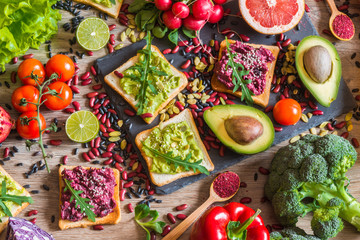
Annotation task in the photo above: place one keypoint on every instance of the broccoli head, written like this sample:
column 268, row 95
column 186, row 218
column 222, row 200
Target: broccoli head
column 292, row 233
column 309, row 175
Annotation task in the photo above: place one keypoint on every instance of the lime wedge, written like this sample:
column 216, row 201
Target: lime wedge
column 82, row 126
column 92, row 34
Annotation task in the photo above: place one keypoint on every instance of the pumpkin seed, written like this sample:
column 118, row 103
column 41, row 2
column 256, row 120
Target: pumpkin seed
column 196, row 61
column 133, row 39
column 135, row 166
column 120, row 123
column 132, row 26
column 294, row 139
column 130, row 16
column 323, row 132
column 119, row 46
column 309, row 115
column 114, row 139
column 123, row 144
column 123, row 36
column 350, row 128
column 291, row 78
column 191, row 101
column 128, row 31
column 313, row 131
column 175, row 109
column 335, row 132
column 115, row 134
column 322, row 125
column 142, row 35
column 348, row 116
column 304, row 118
column 162, row 117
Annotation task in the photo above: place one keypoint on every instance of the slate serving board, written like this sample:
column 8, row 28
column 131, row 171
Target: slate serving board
column 134, row 125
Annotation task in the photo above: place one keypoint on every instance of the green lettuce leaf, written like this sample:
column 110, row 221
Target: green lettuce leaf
column 25, row 24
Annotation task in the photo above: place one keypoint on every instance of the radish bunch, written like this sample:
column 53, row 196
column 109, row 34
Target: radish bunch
column 192, row 16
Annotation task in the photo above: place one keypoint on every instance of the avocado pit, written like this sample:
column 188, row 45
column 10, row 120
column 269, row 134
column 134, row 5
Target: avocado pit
column 243, row 129
column 317, row 62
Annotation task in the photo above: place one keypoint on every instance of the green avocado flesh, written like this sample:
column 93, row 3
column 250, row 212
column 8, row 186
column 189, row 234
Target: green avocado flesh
column 177, row 138
column 325, row 92
column 106, row 3
column 163, row 84
column 215, row 118
column 12, row 189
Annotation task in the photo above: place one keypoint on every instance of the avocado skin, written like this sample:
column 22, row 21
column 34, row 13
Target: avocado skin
column 216, row 116
column 325, row 93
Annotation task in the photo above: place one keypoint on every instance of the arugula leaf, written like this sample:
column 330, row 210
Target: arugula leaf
column 143, row 211
column 177, row 161
column 144, row 68
column 174, row 36
column 113, row 2
column 238, row 73
column 189, row 33
column 8, row 197
column 80, row 201
column 136, row 5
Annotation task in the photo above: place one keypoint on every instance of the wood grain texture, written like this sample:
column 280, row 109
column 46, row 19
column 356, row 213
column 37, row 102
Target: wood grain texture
column 194, row 195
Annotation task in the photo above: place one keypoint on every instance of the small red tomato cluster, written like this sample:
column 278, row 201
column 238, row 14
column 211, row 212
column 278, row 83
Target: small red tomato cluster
column 178, row 14
column 40, row 87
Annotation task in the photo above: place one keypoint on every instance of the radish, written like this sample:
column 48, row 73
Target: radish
column 171, row 21
column 163, row 5
column 180, row 10
column 193, row 24
column 201, row 9
column 220, row 2
column 216, row 14
column 6, row 123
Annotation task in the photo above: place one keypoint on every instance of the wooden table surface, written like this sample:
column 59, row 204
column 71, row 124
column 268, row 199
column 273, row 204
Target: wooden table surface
column 46, row 202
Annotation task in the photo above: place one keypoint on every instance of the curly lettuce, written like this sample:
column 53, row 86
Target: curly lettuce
column 25, row 24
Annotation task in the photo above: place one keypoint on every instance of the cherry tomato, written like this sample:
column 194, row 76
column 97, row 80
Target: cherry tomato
column 28, row 127
column 287, row 111
column 62, row 65
column 163, row 5
column 171, row 21
column 59, row 101
column 29, row 66
column 180, row 10
column 25, row 93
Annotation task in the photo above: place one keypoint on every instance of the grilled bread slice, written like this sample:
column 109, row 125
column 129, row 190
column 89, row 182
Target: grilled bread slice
column 262, row 99
column 112, row 11
column 161, row 179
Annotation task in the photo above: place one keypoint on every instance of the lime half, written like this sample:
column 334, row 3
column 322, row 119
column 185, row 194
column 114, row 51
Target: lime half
column 82, row 126
column 92, row 34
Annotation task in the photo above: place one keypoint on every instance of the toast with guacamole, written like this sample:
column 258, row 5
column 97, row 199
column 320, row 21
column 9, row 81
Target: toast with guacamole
column 20, row 198
column 163, row 81
column 259, row 64
column 110, row 7
column 174, row 149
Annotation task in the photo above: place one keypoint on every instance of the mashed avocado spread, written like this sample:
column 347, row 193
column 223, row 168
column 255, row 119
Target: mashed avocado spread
column 163, row 84
column 106, row 3
column 176, row 138
column 12, row 189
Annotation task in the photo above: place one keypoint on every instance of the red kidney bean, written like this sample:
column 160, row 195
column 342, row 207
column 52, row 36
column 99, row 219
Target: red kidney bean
column 69, row 110
column 281, row 37
column 181, row 216
column 243, row 184
column 207, row 145
column 55, row 142
column 226, row 31
column 277, row 88
column 151, row 192
column 340, row 125
column 124, row 175
column 123, row 17
column 106, row 155
column 118, row 167
column 132, row 174
column 139, row 168
column 268, row 109
column 278, row 129
column 186, row 64
column 197, row 49
column 90, row 53
column 32, row 212
column 92, row 94
column 355, row 142
column 118, row 74
column 110, row 48
column 6, row 152
column 93, row 71
column 230, row 34
column 278, row 44
column 330, row 127
column 166, row 230
column 189, row 48
column 128, row 184
column 296, row 84
column 222, row 151
column 103, row 119
column 286, row 92
column 183, row 43
column 85, row 76
column 33, row 220
column 245, row 200
column 286, row 42
column 13, row 77
column 65, row 159
column 264, row 171
column 97, row 142
column 95, row 151
column 181, row 207
column 108, row 162
column 244, row 38
column 166, row 51
column 229, row 102
column 171, row 218
column 122, row 194
column 307, row 9
column 28, row 56
column 77, row 70
column 76, row 105
column 112, row 27
column 123, row 22
column 86, row 157
column 130, row 207
column 216, row 45
column 134, row 156
column 15, row 60
column 357, row 97
column 312, row 105
column 195, row 41
column 110, row 147
column 118, row 158
column 317, row 112
column 146, row 115
column 86, row 82
column 91, row 154
column 75, row 89
column 179, row 106
column 282, row 97
column 345, row 135
column 129, row 112
column 75, row 80
column 98, row 227
column 283, row 79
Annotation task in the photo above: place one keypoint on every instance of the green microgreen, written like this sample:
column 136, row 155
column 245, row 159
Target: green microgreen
column 143, row 211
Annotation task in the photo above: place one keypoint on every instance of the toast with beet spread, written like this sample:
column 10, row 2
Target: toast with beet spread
column 111, row 11
column 111, row 218
column 261, row 99
column 161, row 179
column 16, row 209
column 113, row 81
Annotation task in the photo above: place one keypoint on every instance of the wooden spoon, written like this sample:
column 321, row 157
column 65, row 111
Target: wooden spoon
column 184, row 225
column 334, row 13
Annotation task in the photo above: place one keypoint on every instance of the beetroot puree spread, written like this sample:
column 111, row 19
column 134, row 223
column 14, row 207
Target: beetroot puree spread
column 96, row 184
column 253, row 59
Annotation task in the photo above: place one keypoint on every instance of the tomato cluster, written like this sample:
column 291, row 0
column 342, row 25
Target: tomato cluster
column 178, row 13
column 55, row 95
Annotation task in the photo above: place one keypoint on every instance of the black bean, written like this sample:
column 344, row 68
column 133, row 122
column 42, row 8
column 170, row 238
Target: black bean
column 27, row 186
column 158, row 201
column 6, row 159
column 353, row 55
column 46, row 187
column 19, row 164
column 76, row 150
column 255, row 177
column 355, row 90
column 147, row 203
column 2, row 162
column 8, row 106
column 85, row 145
column 52, row 219
column 36, row 153
column 34, row 191
column 357, row 63
column 95, row 162
column 15, row 149
column 128, row 195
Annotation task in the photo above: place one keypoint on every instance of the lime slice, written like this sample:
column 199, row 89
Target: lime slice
column 82, row 126
column 92, row 34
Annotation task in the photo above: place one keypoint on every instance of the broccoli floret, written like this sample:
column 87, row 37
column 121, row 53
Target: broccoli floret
column 309, row 175
column 292, row 233
column 326, row 223
column 313, row 169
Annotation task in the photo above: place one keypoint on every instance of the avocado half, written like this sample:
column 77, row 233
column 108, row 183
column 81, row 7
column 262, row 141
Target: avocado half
column 325, row 92
column 216, row 116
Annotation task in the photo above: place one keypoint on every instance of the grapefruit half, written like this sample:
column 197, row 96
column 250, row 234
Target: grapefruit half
column 272, row 16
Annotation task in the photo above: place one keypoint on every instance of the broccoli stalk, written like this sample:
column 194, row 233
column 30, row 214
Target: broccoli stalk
column 309, row 176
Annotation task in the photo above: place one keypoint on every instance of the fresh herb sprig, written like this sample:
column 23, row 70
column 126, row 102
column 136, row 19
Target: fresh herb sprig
column 238, row 73
column 177, row 161
column 8, row 197
column 80, row 201
column 143, row 211
column 113, row 2
column 144, row 68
